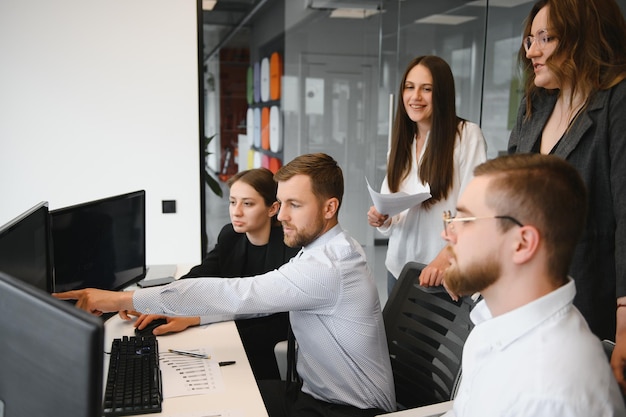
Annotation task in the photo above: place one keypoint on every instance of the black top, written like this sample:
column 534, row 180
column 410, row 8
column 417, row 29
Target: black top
column 255, row 258
column 226, row 258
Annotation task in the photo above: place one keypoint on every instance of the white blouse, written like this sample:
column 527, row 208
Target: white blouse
column 415, row 234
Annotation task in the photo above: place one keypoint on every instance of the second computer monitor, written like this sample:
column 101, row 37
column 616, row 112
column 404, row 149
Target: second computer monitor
column 101, row 243
column 25, row 251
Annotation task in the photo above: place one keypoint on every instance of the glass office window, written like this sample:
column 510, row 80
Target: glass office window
column 501, row 86
column 342, row 68
column 330, row 101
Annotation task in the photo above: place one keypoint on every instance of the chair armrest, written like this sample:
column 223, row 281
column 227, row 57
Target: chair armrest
column 280, row 352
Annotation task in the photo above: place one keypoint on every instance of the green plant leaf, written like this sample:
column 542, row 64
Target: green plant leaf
column 208, row 178
column 213, row 184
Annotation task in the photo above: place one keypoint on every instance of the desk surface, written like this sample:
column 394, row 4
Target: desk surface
column 240, row 397
column 433, row 410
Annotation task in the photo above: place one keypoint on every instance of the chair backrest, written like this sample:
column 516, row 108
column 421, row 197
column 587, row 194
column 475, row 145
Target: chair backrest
column 425, row 333
column 608, row 346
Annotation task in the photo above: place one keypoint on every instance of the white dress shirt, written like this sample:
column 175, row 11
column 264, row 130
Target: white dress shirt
column 334, row 312
column 538, row 360
column 415, row 234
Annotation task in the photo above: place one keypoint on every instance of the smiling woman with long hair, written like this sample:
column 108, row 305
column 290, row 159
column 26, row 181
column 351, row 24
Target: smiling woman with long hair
column 431, row 145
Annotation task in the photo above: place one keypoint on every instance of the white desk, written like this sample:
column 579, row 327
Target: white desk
column 241, row 395
column 434, row 410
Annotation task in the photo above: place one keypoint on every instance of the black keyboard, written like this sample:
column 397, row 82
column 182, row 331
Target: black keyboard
column 134, row 378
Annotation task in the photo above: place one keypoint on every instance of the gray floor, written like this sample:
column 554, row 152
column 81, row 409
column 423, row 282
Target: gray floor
column 217, row 217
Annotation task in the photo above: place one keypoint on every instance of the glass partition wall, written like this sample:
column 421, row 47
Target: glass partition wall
column 340, row 64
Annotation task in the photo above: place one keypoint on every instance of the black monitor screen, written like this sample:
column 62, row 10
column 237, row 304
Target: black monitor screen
column 25, row 247
column 100, row 244
column 51, row 355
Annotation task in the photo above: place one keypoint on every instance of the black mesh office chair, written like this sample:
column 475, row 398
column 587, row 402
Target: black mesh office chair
column 425, row 333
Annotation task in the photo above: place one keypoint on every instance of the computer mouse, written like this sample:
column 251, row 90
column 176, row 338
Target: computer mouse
column 147, row 331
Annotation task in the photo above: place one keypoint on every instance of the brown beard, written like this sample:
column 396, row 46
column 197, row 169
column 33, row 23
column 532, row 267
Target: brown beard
column 473, row 278
column 303, row 238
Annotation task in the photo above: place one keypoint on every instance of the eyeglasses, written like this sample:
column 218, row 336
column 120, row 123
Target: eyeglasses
column 449, row 220
column 542, row 38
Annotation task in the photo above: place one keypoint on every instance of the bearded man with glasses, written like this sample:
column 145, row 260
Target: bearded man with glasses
column 531, row 352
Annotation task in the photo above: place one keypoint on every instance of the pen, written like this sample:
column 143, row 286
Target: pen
column 226, row 363
column 192, row 354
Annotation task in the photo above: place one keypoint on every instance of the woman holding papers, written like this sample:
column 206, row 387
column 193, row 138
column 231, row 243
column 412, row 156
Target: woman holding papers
column 251, row 244
column 432, row 150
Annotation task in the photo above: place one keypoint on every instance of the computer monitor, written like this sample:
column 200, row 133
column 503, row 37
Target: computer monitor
column 101, row 243
column 25, row 251
column 51, row 355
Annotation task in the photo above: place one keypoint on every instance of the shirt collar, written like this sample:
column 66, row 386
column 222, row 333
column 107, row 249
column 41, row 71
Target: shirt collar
column 324, row 239
column 505, row 329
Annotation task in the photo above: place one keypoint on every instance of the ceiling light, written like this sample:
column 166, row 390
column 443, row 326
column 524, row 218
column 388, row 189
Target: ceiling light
column 353, row 13
column 498, row 3
column 344, row 4
column 445, row 19
column 208, row 4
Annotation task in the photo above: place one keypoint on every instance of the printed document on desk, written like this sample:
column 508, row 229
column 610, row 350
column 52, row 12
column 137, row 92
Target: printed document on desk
column 186, row 375
column 395, row 203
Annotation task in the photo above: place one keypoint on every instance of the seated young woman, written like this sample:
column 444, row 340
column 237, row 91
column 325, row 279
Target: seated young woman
column 251, row 244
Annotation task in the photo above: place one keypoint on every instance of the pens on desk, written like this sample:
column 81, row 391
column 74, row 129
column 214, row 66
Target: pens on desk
column 192, row 354
column 226, row 363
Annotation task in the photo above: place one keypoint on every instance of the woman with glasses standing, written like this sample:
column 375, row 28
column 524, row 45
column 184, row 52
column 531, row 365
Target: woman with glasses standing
column 574, row 61
column 431, row 145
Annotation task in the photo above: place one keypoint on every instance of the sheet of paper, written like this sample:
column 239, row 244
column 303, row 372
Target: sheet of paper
column 392, row 204
column 186, row 375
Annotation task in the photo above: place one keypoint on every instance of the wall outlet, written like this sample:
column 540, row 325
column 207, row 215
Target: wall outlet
column 169, row 206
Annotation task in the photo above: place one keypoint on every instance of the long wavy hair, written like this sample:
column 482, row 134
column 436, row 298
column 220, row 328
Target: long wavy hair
column 437, row 167
column 591, row 49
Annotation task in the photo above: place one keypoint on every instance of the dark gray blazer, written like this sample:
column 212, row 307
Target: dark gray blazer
column 596, row 146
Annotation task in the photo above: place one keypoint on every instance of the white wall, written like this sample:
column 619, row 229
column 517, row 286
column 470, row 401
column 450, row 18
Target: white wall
column 99, row 98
